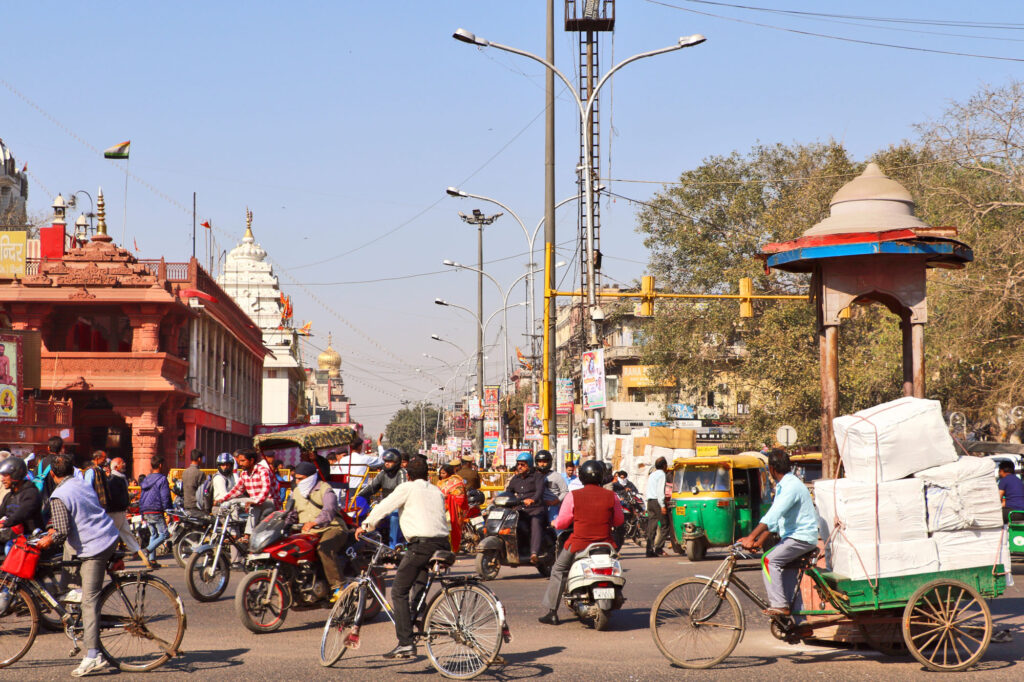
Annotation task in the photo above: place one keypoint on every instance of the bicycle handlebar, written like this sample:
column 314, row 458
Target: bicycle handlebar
column 740, row 552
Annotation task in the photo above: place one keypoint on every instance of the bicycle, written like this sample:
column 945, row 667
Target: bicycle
column 141, row 618
column 463, row 623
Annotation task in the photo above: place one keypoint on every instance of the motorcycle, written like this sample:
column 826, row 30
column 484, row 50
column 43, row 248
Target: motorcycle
column 593, row 587
column 187, row 530
column 208, row 568
column 503, row 545
column 634, row 510
column 283, row 572
column 473, row 526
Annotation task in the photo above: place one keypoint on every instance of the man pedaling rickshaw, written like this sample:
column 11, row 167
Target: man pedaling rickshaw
column 793, row 518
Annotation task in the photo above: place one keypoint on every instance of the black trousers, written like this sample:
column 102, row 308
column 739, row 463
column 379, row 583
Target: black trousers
column 534, row 525
column 412, row 570
column 655, row 515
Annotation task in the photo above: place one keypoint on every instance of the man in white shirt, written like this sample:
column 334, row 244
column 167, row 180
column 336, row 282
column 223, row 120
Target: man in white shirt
column 353, row 466
column 655, row 495
column 424, row 522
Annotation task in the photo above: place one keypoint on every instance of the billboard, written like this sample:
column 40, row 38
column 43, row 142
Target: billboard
column 593, row 380
column 491, row 395
column 532, row 426
column 10, row 378
column 12, row 254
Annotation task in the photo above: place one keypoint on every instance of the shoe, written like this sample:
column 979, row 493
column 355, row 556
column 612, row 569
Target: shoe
column 154, row 565
column 90, row 666
column 402, row 651
column 74, row 596
column 776, row 612
column 549, row 618
column 660, row 552
column 650, row 554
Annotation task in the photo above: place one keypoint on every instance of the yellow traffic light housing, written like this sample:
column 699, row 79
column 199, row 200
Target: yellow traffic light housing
column 746, row 292
column 646, row 296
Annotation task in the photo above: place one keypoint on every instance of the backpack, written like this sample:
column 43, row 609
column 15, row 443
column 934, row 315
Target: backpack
column 204, row 494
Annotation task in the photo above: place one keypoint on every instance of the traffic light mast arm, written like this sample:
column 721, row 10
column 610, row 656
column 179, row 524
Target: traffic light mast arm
column 625, row 294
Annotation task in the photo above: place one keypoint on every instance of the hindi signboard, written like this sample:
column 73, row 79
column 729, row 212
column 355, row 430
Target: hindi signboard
column 593, row 380
column 12, row 254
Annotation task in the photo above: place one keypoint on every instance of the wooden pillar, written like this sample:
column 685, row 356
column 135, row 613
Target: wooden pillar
column 908, row 355
column 917, row 343
column 828, row 348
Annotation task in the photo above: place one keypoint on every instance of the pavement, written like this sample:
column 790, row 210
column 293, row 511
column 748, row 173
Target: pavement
column 217, row 647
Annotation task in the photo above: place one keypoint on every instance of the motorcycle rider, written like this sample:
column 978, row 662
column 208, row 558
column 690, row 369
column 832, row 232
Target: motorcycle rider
column 592, row 511
column 224, row 480
column 257, row 482
column 528, row 486
column 22, row 507
column 424, row 522
column 623, row 484
column 555, row 486
column 390, row 477
column 317, row 507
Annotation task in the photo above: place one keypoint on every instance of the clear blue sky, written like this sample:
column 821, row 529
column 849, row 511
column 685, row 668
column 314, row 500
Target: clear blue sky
column 338, row 123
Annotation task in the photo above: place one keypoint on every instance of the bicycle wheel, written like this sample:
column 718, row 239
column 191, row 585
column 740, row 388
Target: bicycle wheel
column 19, row 625
column 339, row 626
column 206, row 580
column 463, row 631
column 141, row 624
column 692, row 626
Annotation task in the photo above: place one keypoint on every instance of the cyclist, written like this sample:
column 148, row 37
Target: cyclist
column 76, row 516
column 793, row 517
column 390, row 477
column 528, row 486
column 424, row 522
column 555, row 487
column 21, row 510
column 317, row 507
column 592, row 511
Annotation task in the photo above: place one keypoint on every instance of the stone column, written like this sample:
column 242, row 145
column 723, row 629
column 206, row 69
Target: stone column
column 26, row 317
column 143, row 416
column 145, row 322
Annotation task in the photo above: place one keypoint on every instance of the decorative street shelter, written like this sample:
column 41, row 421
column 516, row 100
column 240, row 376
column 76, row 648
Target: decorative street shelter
column 871, row 249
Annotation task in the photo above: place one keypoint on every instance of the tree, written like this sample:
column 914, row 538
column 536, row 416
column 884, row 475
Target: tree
column 404, row 430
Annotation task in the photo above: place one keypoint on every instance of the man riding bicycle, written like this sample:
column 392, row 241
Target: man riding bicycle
column 793, row 517
column 424, row 522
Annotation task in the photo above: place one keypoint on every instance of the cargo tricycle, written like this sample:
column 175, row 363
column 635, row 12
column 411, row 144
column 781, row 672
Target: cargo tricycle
column 717, row 500
column 942, row 616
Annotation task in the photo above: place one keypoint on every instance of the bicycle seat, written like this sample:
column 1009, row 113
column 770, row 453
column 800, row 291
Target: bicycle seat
column 441, row 558
column 807, row 560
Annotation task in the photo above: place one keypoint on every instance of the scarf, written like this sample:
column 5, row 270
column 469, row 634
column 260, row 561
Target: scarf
column 115, row 472
column 306, row 485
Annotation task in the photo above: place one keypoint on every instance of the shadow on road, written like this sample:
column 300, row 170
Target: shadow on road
column 205, row 661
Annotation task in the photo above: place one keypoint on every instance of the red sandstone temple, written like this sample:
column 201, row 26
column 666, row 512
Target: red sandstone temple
column 151, row 357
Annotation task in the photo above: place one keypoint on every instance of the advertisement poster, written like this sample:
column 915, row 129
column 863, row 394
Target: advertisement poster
column 492, row 435
column 593, row 380
column 564, row 397
column 510, row 458
column 532, row 425
column 491, row 395
column 475, row 411
column 10, row 378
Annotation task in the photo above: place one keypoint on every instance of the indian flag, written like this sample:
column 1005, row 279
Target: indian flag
column 118, row 151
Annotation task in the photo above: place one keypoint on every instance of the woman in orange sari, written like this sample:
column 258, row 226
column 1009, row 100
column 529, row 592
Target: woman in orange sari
column 454, row 488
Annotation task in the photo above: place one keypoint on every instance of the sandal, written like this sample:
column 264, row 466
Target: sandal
column 776, row 612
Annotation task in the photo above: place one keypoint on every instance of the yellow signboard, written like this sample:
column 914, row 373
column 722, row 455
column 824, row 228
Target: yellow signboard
column 12, row 254
column 707, row 451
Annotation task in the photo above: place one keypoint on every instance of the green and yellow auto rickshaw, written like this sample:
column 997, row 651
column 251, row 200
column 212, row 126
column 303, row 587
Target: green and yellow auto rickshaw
column 717, row 500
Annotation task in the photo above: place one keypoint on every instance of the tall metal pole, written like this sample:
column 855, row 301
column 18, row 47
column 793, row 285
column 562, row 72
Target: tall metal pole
column 550, row 425
column 480, row 331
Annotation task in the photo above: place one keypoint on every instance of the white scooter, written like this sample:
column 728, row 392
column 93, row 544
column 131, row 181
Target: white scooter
column 594, row 585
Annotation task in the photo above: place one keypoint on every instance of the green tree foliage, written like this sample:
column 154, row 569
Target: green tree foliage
column 966, row 171
column 404, row 429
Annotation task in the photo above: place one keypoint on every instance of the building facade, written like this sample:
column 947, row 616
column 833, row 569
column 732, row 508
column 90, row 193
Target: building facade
column 13, row 190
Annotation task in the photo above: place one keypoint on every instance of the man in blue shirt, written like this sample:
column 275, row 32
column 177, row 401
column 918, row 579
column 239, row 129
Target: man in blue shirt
column 1011, row 490
column 793, row 518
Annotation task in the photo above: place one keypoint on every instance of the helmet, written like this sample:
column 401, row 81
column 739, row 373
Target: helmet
column 592, row 472
column 543, row 456
column 391, row 455
column 475, row 497
column 225, row 458
column 524, row 457
column 14, row 467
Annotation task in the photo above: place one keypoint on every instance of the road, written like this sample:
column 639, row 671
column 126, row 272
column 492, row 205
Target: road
column 216, row 646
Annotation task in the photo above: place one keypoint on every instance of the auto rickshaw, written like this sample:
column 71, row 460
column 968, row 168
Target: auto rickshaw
column 717, row 500
column 807, row 467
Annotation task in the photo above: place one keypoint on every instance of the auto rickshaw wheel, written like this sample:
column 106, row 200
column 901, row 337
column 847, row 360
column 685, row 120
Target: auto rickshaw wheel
column 696, row 549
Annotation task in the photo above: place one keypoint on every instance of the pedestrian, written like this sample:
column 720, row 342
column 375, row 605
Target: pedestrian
column 572, row 481
column 468, row 473
column 1011, row 490
column 96, row 477
column 454, row 489
column 118, row 501
column 191, row 479
column 793, row 517
column 257, row 482
column 75, row 516
column 424, row 523
column 655, row 496
column 154, row 500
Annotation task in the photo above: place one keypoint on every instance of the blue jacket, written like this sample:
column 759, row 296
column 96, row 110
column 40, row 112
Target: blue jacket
column 156, row 493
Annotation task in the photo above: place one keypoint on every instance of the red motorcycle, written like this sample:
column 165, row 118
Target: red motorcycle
column 283, row 571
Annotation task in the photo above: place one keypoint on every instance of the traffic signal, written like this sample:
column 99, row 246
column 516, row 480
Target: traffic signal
column 646, row 296
column 746, row 302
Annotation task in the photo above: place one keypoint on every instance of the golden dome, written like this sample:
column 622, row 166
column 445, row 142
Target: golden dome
column 329, row 361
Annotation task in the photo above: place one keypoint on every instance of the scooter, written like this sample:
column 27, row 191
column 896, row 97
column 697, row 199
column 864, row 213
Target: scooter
column 594, row 585
column 502, row 544
column 473, row 526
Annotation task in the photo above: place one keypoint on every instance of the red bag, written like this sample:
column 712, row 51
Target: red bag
column 21, row 560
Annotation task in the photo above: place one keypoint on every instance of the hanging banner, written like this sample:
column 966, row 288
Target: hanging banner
column 475, row 410
column 10, row 377
column 564, row 396
column 532, row 425
column 491, row 395
column 593, row 380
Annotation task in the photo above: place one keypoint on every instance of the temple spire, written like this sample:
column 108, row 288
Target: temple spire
column 248, row 226
column 101, row 219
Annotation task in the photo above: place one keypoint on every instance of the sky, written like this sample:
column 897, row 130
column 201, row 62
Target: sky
column 340, row 125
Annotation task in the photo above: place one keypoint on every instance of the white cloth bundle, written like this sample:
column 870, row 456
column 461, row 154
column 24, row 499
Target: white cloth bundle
column 897, row 515
column 973, row 548
column 889, row 559
column 962, row 495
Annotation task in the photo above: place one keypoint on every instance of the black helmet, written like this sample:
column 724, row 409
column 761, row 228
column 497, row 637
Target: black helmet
column 391, row 455
column 225, row 458
column 592, row 472
column 14, row 467
column 475, row 497
column 543, row 456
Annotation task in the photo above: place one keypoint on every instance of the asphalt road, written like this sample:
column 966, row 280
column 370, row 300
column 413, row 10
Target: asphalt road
column 216, row 646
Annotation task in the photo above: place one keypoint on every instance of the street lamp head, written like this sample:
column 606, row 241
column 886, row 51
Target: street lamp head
column 560, row 264
column 464, row 36
column 449, row 262
column 455, row 192
column 440, row 301
column 435, row 337
column 690, row 41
